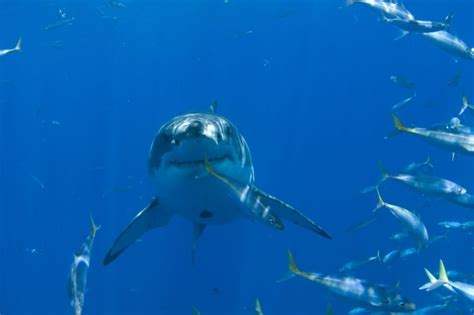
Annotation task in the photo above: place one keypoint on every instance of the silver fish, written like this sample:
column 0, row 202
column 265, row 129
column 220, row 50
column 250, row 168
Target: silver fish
column 419, row 26
column 79, row 271
column 451, row 44
column 360, row 292
column 402, row 103
column 4, row 52
column 399, row 236
column 355, row 264
column 450, row 224
column 425, row 184
column 410, row 222
column 454, row 142
column 402, row 81
column 391, row 9
column 423, row 167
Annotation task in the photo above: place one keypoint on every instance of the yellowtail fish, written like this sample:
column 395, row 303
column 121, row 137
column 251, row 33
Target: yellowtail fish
column 423, row 183
column 402, row 81
column 420, row 26
column 4, row 52
column 423, row 167
column 355, row 264
column 360, row 292
column 450, row 44
column 465, row 290
column 410, row 222
column 454, row 142
column 79, row 271
column 402, row 104
column 388, row 8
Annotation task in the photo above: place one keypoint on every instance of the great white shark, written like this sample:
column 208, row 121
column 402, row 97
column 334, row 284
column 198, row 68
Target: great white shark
column 202, row 169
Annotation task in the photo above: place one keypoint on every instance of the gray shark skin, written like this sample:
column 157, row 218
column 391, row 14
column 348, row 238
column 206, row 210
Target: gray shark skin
column 202, row 170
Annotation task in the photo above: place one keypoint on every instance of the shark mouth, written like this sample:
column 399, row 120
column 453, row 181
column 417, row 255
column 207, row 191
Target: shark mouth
column 194, row 163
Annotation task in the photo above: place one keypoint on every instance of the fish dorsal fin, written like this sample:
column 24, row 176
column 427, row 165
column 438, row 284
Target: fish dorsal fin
column 213, row 107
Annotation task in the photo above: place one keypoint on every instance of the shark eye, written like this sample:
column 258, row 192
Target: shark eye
column 219, row 137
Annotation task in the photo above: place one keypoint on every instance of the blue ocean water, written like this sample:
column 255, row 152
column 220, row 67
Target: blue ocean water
column 306, row 82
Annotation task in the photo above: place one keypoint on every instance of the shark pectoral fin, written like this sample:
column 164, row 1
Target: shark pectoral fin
column 198, row 228
column 284, row 210
column 151, row 217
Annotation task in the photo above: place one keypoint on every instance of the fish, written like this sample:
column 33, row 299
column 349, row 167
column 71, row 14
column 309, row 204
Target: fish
column 451, row 44
column 419, row 26
column 403, row 82
column 355, row 264
column 360, row 292
column 391, row 257
column 425, row 184
column 17, row 48
column 465, row 105
column 402, row 103
column 454, row 225
column 399, row 236
column 63, row 21
column 258, row 307
column 404, row 254
column 417, row 168
column 454, row 142
column 464, row 290
column 202, row 170
column 410, row 222
column 450, row 224
column 465, row 200
column 79, row 271
column 388, row 8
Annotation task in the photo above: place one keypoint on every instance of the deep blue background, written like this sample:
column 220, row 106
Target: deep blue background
column 306, row 82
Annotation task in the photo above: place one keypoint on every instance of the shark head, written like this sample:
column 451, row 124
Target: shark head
column 184, row 143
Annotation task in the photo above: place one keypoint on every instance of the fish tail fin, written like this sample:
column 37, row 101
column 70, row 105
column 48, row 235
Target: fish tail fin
column 380, row 202
column 398, row 124
column 443, row 276
column 292, row 265
column 428, row 162
column 384, row 172
column 94, row 226
column 18, row 44
column 465, row 105
column 379, row 258
column 434, row 283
